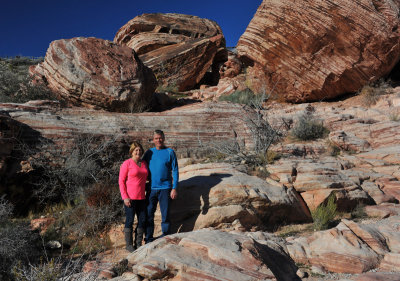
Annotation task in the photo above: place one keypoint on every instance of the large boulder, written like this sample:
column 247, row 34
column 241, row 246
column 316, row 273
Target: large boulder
column 350, row 247
column 313, row 50
column 180, row 49
column 183, row 65
column 316, row 180
column 169, row 24
column 96, row 73
column 217, row 195
column 212, row 255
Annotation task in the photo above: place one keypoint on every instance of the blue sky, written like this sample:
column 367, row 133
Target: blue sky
column 27, row 27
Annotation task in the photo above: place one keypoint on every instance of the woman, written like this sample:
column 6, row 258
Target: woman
column 132, row 181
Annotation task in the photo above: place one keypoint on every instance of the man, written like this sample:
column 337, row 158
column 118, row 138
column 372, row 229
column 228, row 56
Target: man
column 163, row 167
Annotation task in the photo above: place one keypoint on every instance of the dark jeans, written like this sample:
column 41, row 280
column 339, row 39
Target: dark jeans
column 137, row 207
column 162, row 196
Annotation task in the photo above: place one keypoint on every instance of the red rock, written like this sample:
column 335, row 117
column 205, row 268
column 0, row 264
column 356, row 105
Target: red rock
column 338, row 250
column 187, row 128
column 232, row 67
column 383, row 210
column 314, row 50
column 169, row 24
column 96, row 73
column 183, row 64
column 212, row 255
column 390, row 262
column 42, row 224
column 378, row 276
column 180, row 49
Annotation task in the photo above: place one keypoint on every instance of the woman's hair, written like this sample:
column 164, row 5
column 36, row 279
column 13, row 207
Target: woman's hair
column 134, row 145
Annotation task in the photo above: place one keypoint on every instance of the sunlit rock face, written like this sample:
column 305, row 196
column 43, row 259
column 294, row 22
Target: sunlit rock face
column 313, row 50
column 212, row 255
column 180, row 49
column 96, row 73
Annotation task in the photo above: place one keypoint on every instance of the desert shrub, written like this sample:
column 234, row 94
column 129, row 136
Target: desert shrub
column 371, row 93
column 394, row 116
column 66, row 175
column 246, row 97
column 359, row 212
column 18, row 244
column 324, row 214
column 15, row 82
column 49, row 271
column 167, row 88
column 308, row 128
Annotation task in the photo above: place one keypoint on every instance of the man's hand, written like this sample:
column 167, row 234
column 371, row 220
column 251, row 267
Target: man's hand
column 127, row 202
column 174, row 194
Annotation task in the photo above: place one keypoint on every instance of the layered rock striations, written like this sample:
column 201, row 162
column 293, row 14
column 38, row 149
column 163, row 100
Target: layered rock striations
column 180, row 49
column 212, row 255
column 97, row 74
column 191, row 130
column 167, row 24
column 215, row 194
column 313, row 50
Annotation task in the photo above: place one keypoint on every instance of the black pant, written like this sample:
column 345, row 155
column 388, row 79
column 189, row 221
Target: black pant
column 138, row 207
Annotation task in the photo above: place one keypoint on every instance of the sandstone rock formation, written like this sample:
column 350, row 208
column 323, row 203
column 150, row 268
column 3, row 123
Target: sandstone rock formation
column 218, row 195
column 317, row 180
column 97, row 74
column 232, row 67
column 350, row 247
column 180, row 49
column 166, row 24
column 314, row 50
column 191, row 130
column 183, row 65
column 211, row 255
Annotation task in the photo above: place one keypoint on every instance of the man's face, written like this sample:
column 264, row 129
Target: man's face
column 158, row 141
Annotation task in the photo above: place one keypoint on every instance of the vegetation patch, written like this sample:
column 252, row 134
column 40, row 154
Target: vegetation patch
column 372, row 93
column 15, row 81
column 309, row 128
column 246, row 97
column 324, row 215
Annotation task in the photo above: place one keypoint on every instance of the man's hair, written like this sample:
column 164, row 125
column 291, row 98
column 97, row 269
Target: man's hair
column 159, row 132
column 134, row 145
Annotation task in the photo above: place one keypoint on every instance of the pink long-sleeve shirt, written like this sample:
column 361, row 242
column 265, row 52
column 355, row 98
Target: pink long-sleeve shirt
column 132, row 180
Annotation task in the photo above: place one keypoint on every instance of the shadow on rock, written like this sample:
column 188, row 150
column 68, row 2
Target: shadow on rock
column 192, row 201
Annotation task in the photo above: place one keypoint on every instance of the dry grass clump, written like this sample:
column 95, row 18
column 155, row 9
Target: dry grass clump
column 372, row 93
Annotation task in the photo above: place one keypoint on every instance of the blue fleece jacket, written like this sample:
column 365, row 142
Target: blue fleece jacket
column 163, row 167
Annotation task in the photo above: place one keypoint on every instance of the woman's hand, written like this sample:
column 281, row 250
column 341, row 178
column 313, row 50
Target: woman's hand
column 127, row 202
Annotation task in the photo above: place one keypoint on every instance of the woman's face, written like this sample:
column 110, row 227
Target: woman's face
column 137, row 153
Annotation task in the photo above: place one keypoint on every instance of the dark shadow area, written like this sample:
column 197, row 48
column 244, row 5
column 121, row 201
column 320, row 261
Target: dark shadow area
column 394, row 76
column 281, row 265
column 193, row 200
column 17, row 143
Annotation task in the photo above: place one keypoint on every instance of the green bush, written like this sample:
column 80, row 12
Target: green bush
column 308, row 128
column 324, row 214
column 243, row 97
column 15, row 82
